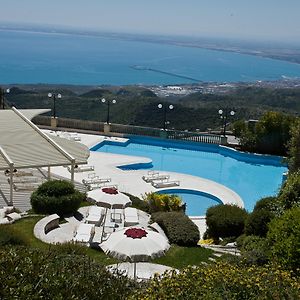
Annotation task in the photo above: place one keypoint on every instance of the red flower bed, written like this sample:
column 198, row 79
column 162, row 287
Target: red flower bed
column 136, row 233
column 111, row 191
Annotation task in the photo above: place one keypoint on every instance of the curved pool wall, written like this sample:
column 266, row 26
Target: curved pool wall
column 196, row 202
column 252, row 158
column 251, row 176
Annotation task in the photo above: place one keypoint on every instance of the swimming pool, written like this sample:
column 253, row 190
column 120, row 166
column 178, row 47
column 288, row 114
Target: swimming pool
column 251, row 176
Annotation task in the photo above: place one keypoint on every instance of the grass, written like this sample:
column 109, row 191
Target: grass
column 180, row 257
column 177, row 257
column 25, row 226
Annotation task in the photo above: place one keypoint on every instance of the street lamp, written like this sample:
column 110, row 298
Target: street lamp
column 2, row 94
column 54, row 96
column 160, row 106
column 108, row 102
column 224, row 114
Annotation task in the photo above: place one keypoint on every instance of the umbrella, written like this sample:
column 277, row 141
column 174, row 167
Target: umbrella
column 135, row 244
column 109, row 197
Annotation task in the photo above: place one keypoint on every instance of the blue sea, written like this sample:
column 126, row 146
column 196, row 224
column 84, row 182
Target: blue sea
column 30, row 57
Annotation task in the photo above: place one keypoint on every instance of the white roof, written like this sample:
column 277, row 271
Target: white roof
column 24, row 145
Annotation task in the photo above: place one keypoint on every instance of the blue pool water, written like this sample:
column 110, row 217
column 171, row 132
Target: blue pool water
column 250, row 176
column 31, row 57
column 196, row 203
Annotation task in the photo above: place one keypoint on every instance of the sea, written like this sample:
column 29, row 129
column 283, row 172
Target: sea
column 54, row 58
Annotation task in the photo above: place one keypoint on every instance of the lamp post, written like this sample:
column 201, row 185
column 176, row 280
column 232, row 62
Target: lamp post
column 2, row 94
column 54, row 96
column 108, row 102
column 165, row 107
column 224, row 114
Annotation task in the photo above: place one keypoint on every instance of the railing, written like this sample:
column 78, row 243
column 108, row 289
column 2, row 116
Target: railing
column 119, row 129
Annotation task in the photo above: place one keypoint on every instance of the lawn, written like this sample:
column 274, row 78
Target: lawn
column 177, row 257
column 180, row 257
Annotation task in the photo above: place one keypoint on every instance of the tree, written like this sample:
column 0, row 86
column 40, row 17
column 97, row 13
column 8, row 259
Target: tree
column 294, row 147
column 284, row 239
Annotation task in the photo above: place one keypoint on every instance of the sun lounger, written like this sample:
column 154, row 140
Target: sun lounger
column 163, row 184
column 23, row 173
column 95, row 180
column 26, row 186
column 24, row 179
column 84, row 233
column 95, row 215
column 94, row 186
column 130, row 216
column 84, row 168
column 155, row 177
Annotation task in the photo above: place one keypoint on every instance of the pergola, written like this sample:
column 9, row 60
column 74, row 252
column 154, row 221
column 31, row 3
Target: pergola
column 23, row 145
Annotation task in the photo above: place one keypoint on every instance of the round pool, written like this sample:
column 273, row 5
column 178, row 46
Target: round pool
column 196, row 202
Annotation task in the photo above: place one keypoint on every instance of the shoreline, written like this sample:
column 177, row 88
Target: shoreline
column 293, row 58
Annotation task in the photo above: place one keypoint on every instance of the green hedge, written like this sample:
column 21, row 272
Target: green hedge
column 225, row 221
column 34, row 274
column 179, row 228
column 56, row 196
column 9, row 236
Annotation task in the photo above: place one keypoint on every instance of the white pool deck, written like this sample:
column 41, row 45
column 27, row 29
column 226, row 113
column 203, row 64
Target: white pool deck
column 130, row 181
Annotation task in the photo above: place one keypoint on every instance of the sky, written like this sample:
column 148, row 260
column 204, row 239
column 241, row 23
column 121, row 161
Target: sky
column 276, row 20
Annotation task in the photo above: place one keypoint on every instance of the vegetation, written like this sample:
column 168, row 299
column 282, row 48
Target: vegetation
column 284, row 238
column 9, row 236
column 178, row 227
column 138, row 106
column 225, row 221
column 223, row 281
column 294, row 147
column 138, row 203
column 56, row 196
column 163, row 202
column 269, row 135
column 35, row 274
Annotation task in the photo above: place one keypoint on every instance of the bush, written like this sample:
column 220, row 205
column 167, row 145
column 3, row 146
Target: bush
column 257, row 222
column 56, row 196
column 9, row 236
column 138, row 203
column 225, row 221
column 254, row 250
column 163, row 202
column 223, row 281
column 178, row 227
column 34, row 274
column 284, row 239
column 289, row 195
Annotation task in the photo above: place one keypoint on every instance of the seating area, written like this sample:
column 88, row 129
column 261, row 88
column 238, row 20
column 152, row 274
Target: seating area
column 84, row 233
column 82, row 168
column 158, row 180
column 95, row 215
column 130, row 216
column 8, row 215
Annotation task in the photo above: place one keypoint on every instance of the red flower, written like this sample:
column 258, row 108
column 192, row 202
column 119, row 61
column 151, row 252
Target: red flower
column 136, row 233
column 111, row 191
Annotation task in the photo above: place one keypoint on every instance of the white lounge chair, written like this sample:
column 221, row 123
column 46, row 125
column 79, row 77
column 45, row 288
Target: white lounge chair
column 130, row 216
column 163, row 184
column 26, row 186
column 24, row 179
column 84, row 233
column 95, row 180
column 84, row 168
column 94, row 186
column 94, row 215
column 155, row 177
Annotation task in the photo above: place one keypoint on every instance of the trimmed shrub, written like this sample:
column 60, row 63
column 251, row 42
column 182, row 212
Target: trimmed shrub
column 225, row 221
column 284, row 239
column 179, row 228
column 9, row 236
column 223, row 281
column 163, row 202
column 56, row 196
column 257, row 222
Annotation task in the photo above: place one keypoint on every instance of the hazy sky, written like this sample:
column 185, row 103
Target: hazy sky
column 254, row 19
